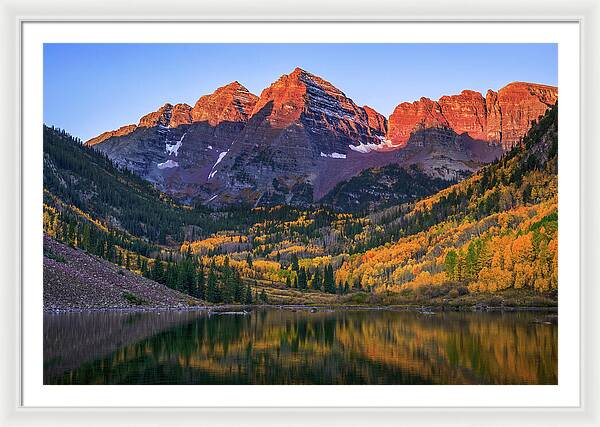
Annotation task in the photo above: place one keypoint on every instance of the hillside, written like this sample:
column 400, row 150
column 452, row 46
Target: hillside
column 495, row 231
column 526, row 175
column 85, row 179
column 76, row 280
column 491, row 237
column 377, row 188
column 84, row 184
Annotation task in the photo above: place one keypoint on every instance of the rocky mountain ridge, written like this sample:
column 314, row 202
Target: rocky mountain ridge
column 502, row 117
column 302, row 136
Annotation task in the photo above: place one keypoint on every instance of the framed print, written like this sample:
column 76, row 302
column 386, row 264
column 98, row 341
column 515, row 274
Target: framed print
column 349, row 219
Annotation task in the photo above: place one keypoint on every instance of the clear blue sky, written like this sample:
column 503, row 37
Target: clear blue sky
column 90, row 88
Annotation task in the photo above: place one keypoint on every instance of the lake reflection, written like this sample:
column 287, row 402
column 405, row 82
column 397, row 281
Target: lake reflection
column 286, row 347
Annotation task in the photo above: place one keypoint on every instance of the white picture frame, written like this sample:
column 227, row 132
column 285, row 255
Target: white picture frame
column 16, row 14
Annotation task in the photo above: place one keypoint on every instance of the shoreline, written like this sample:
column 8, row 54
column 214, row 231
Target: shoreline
column 302, row 307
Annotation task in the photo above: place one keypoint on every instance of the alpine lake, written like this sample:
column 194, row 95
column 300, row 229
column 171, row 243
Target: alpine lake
column 300, row 346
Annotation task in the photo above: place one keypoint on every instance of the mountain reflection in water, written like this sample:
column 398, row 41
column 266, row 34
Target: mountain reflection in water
column 273, row 346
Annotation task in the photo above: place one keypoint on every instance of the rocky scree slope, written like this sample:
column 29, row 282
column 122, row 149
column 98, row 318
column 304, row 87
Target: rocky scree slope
column 74, row 279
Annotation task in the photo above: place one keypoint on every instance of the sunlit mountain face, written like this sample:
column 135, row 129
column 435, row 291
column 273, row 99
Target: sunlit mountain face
column 302, row 136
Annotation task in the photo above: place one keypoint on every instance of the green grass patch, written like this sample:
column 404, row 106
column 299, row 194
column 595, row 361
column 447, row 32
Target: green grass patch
column 58, row 258
column 134, row 299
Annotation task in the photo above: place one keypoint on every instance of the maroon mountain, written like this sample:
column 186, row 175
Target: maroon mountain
column 303, row 136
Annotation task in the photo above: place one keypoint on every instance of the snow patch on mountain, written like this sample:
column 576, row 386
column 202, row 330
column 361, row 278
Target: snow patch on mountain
column 333, row 155
column 221, row 156
column 168, row 164
column 364, row 148
column 174, row 148
column 212, row 170
column 386, row 144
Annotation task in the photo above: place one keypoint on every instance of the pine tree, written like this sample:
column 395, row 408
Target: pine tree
column 294, row 262
column 144, row 268
column 470, row 262
column 158, row 274
column 263, row 297
column 186, row 276
column 302, row 282
column 171, row 276
column 86, row 237
column 329, row 280
column 212, row 287
column 238, row 288
column 248, row 297
column 200, row 285
column 228, row 287
column 316, row 281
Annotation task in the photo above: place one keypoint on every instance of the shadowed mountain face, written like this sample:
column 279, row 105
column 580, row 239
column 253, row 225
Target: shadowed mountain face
column 181, row 160
column 380, row 187
column 442, row 153
column 302, row 136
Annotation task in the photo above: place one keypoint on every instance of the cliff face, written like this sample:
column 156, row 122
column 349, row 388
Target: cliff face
column 519, row 105
column 302, row 136
column 160, row 117
column 230, row 103
column 501, row 117
column 409, row 117
column 465, row 113
column 181, row 114
column 376, row 121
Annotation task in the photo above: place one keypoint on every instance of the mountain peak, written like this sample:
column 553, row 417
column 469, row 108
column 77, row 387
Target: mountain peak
column 545, row 93
column 298, row 71
column 306, row 78
column 230, row 103
column 517, row 84
column 232, row 87
column 303, row 92
column 160, row 117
